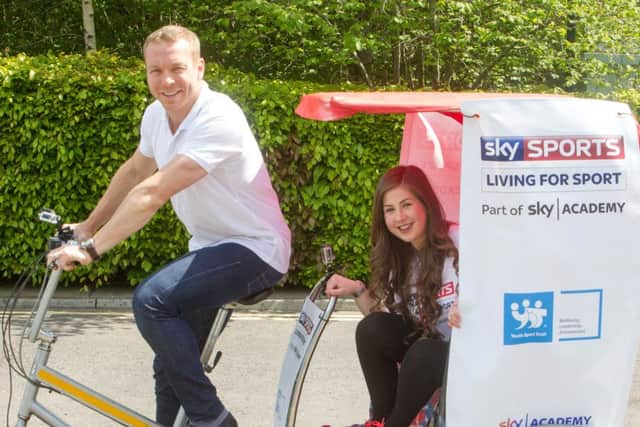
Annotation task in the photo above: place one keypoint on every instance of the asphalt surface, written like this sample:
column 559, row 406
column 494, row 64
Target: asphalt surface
column 99, row 345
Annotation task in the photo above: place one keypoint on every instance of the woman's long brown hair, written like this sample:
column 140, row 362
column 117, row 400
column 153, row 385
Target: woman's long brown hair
column 391, row 257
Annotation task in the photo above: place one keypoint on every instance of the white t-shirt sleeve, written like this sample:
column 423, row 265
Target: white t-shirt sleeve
column 146, row 124
column 218, row 140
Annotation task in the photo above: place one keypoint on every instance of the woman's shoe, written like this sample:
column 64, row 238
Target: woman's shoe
column 370, row 423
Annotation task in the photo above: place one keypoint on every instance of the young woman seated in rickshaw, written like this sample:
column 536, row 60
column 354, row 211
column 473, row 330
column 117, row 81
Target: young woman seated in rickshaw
column 402, row 341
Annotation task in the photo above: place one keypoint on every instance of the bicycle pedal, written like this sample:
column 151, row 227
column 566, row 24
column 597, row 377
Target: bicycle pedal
column 217, row 358
column 209, row 367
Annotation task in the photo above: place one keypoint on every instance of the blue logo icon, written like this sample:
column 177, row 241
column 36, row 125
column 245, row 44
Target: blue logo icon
column 528, row 318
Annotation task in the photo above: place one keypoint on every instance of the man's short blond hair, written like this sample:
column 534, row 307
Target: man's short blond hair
column 173, row 33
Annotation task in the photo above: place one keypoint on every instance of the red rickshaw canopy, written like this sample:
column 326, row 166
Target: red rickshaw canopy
column 338, row 105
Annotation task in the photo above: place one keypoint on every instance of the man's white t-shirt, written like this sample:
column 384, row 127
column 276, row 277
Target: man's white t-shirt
column 235, row 202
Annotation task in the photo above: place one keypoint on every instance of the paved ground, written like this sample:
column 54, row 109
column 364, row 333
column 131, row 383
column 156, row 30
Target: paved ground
column 104, row 351
column 101, row 348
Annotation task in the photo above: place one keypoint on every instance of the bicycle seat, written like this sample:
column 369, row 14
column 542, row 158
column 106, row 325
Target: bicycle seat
column 256, row 298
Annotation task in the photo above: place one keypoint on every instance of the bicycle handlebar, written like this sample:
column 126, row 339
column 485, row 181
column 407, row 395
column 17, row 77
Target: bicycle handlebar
column 62, row 236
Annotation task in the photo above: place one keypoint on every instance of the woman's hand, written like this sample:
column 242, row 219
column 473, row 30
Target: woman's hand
column 454, row 319
column 339, row 286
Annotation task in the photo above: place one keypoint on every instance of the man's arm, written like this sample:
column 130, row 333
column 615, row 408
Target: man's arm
column 144, row 200
column 135, row 210
column 137, row 168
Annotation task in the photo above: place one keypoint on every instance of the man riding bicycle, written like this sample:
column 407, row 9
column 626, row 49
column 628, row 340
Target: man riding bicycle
column 197, row 150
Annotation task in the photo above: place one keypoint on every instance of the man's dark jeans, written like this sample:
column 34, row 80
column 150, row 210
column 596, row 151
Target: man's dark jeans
column 174, row 309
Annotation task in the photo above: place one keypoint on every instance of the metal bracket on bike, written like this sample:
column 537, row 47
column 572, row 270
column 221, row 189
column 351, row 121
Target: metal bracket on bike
column 63, row 235
column 326, row 253
column 50, row 216
column 208, row 367
column 328, row 260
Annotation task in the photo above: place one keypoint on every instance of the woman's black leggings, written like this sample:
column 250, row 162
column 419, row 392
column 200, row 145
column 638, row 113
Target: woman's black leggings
column 398, row 394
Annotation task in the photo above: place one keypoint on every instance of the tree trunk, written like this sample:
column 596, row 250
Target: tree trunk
column 433, row 21
column 396, row 64
column 420, row 63
column 406, row 61
column 363, row 70
column 89, row 27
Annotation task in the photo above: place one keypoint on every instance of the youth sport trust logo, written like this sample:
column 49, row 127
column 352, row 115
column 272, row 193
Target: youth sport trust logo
column 528, row 317
column 536, row 148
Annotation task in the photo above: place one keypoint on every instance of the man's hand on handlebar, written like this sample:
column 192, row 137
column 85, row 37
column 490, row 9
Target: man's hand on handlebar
column 81, row 231
column 68, row 257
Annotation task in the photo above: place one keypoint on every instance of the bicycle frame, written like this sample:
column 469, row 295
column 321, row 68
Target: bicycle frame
column 43, row 376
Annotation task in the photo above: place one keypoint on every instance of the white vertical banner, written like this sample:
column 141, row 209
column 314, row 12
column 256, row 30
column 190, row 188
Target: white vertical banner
column 549, row 264
column 311, row 318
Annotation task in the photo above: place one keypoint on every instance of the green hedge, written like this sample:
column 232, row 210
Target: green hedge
column 68, row 122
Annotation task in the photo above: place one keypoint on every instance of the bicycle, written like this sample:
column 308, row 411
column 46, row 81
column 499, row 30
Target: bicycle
column 309, row 327
column 42, row 376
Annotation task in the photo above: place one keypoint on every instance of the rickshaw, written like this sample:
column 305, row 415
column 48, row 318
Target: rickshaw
column 432, row 140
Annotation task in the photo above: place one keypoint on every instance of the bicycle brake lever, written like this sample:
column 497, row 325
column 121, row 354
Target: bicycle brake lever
column 54, row 264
